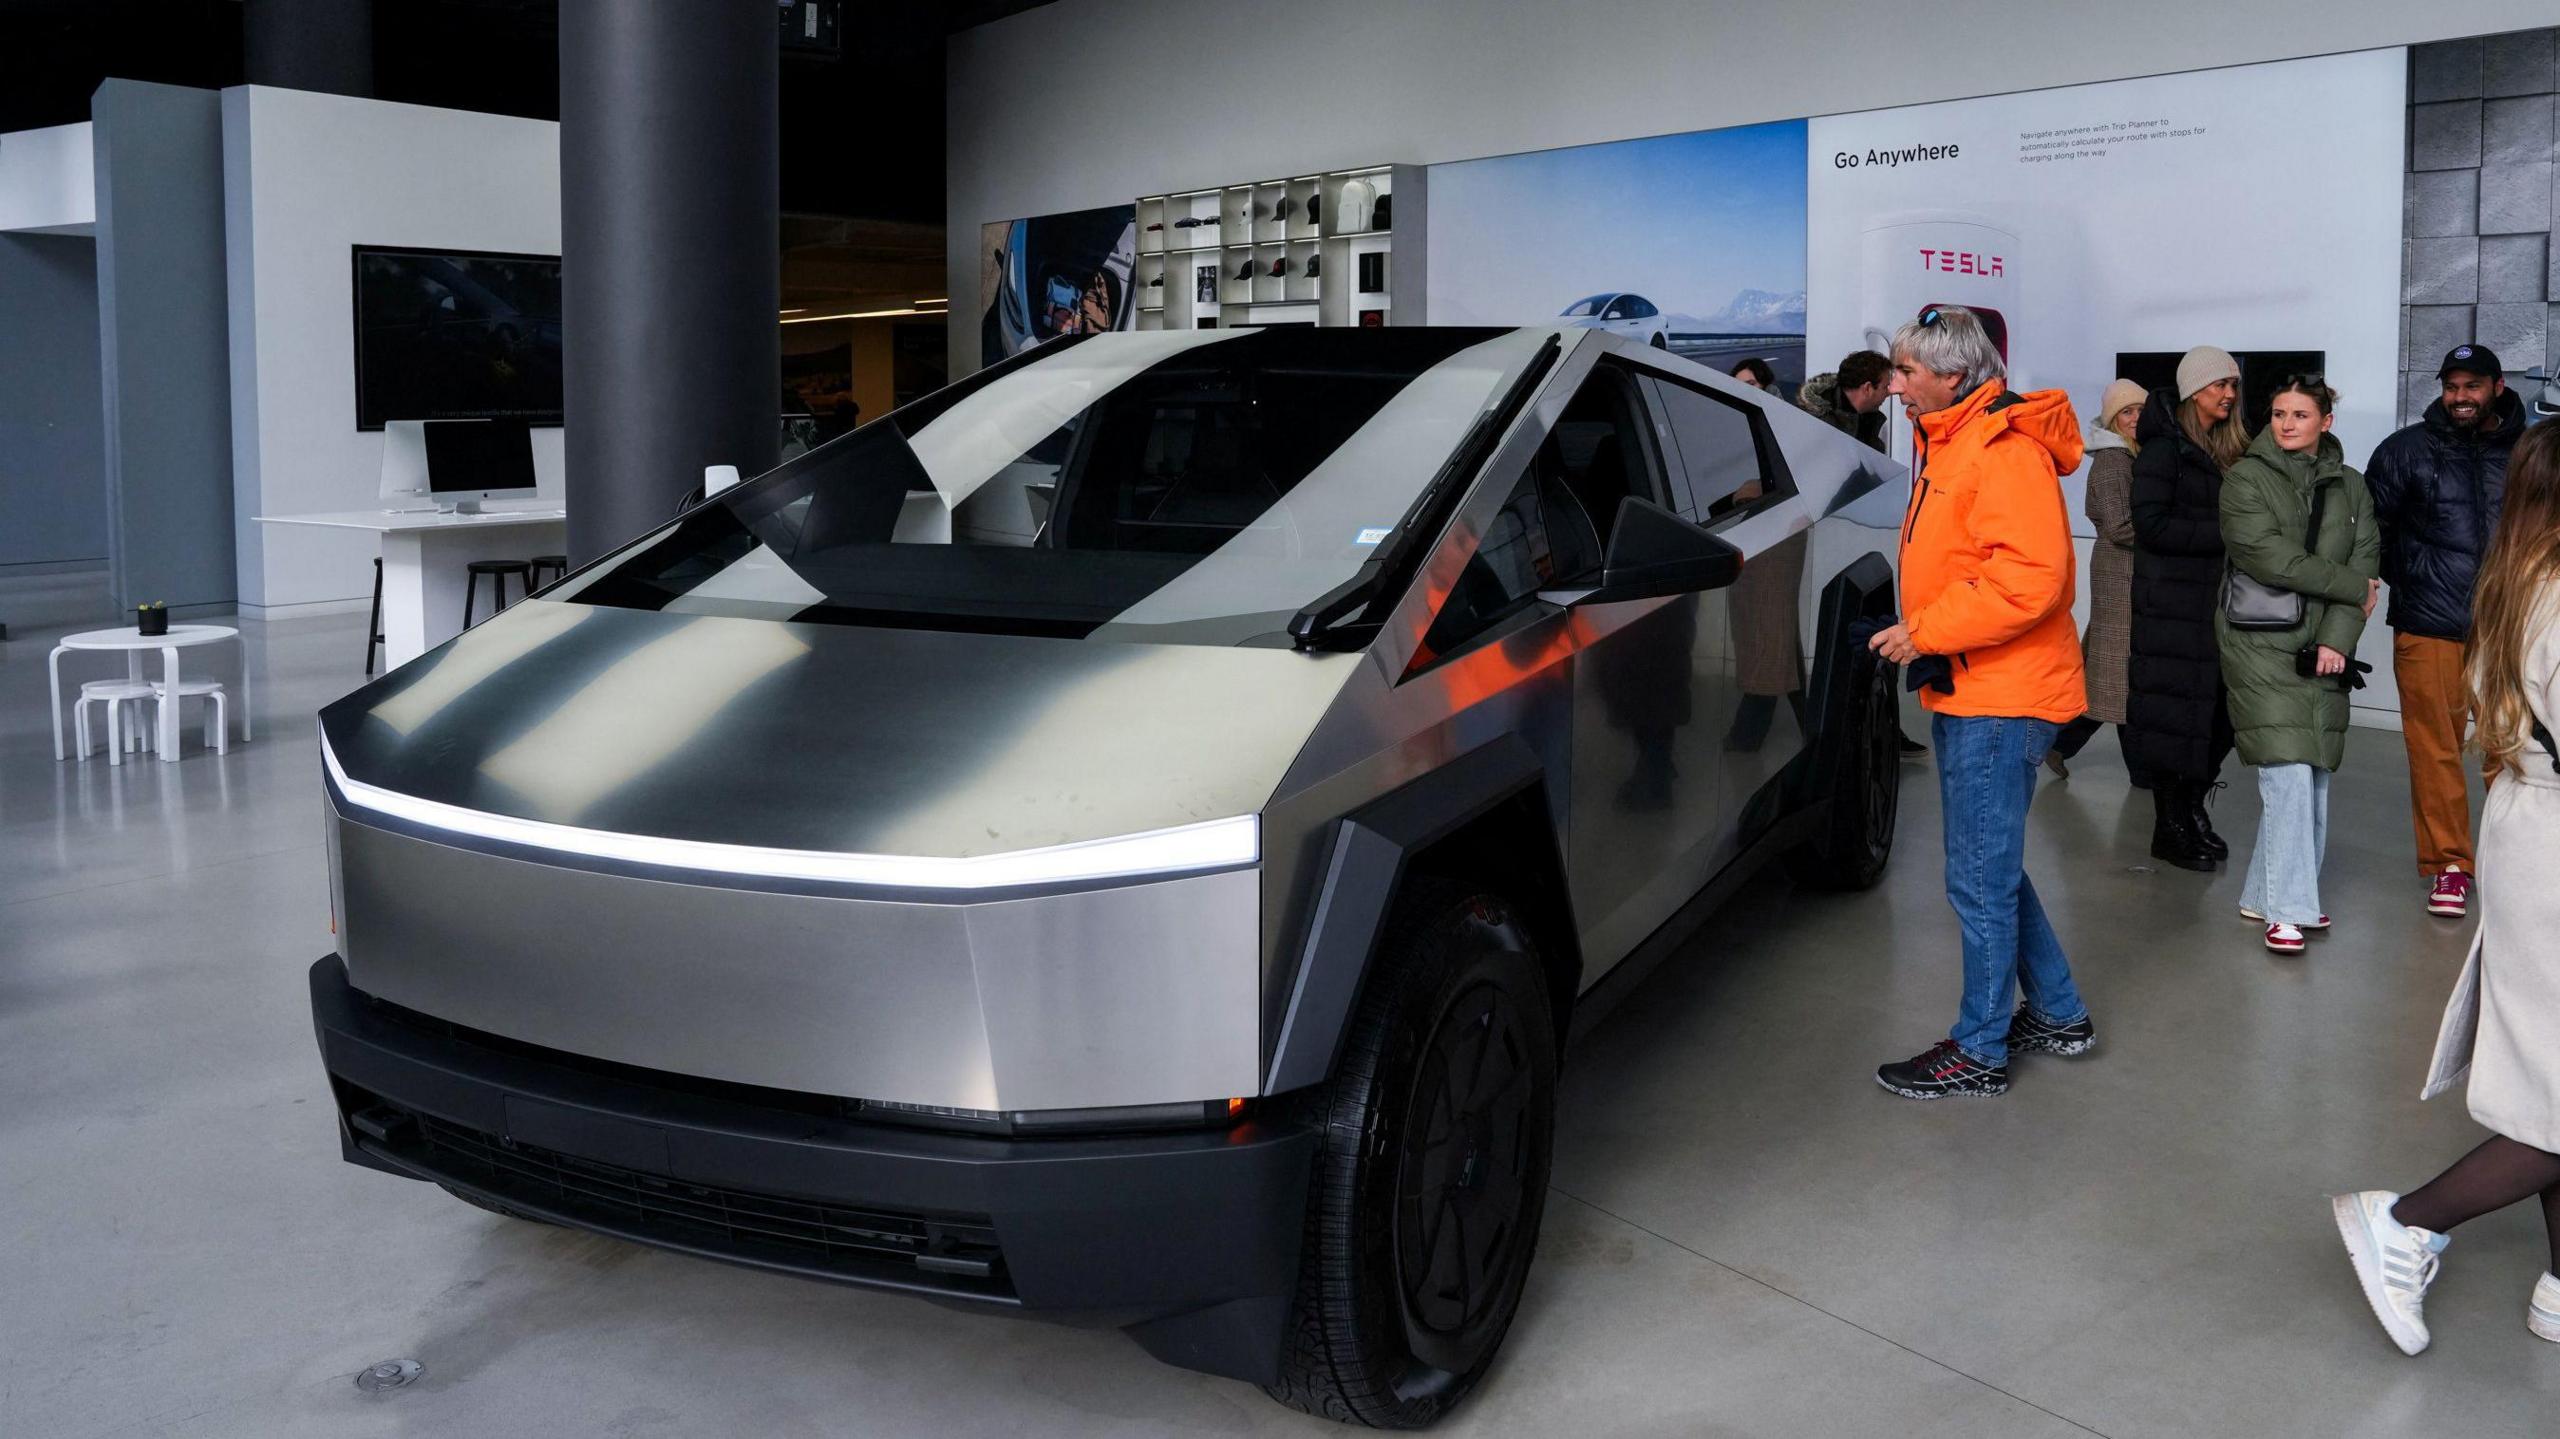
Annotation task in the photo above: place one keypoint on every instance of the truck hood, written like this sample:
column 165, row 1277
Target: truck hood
column 826, row 738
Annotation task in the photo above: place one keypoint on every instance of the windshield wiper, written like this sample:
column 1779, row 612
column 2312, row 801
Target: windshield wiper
column 1329, row 622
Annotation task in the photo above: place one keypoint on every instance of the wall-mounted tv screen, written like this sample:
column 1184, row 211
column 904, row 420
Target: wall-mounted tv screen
column 456, row 335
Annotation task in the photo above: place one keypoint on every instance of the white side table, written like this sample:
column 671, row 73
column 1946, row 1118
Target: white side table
column 133, row 642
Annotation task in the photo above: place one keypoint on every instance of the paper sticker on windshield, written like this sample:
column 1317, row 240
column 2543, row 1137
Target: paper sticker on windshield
column 1372, row 535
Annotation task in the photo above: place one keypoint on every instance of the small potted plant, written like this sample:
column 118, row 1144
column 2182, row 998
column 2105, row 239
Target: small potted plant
column 153, row 618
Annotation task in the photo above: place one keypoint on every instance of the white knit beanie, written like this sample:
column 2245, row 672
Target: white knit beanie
column 2202, row 366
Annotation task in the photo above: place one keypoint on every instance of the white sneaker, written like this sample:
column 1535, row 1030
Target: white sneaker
column 2394, row 1262
column 2543, row 1318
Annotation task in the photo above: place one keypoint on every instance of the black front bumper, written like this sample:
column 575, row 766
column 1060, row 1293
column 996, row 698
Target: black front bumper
column 1188, row 1240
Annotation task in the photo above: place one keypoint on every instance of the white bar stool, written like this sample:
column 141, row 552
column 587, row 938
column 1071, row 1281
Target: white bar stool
column 217, row 714
column 115, row 695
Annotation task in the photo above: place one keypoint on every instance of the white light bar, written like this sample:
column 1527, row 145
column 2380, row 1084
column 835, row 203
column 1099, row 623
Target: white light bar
column 1214, row 844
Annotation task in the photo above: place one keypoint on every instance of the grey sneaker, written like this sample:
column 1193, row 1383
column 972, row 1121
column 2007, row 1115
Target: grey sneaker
column 2395, row 1263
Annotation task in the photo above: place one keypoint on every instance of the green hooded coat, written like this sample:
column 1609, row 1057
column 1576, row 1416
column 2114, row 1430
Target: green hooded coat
column 2280, row 716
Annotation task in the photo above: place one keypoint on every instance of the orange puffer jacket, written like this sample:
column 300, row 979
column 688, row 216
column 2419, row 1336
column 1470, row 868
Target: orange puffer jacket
column 1987, row 567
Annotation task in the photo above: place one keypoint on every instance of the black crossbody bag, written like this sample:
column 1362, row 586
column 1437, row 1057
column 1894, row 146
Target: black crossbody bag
column 2542, row 737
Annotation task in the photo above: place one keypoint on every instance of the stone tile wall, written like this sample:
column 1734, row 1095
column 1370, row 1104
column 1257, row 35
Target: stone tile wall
column 2484, row 189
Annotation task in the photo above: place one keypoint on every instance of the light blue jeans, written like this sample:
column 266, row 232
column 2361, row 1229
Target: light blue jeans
column 2293, row 837
column 1986, row 776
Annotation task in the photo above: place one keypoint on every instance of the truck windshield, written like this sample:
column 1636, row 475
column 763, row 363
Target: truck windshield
column 1195, row 487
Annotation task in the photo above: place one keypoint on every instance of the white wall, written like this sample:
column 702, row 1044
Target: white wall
column 1095, row 102
column 306, row 177
column 46, row 183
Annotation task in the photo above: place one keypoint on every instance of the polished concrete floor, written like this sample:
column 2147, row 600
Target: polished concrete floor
column 1748, row 1237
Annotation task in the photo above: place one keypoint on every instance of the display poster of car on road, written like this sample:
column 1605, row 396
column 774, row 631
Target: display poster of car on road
column 1698, row 248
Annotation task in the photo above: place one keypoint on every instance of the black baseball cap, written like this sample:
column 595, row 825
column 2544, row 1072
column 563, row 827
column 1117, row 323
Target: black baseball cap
column 2473, row 360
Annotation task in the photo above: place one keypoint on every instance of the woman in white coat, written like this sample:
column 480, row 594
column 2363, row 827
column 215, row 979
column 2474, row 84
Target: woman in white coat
column 2503, row 1025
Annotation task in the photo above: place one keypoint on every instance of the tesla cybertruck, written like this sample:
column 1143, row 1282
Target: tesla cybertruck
column 1125, row 837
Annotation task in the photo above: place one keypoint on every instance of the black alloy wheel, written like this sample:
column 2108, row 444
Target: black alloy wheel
column 1463, row 1184
column 1437, row 1133
column 1856, row 841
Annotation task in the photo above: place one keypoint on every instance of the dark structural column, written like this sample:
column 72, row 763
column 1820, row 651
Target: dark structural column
column 324, row 45
column 670, row 239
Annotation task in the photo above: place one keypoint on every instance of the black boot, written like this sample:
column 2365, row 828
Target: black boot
column 2173, row 827
column 2213, row 843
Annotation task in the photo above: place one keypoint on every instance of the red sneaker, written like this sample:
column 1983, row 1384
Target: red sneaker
column 2450, row 894
column 2284, row 938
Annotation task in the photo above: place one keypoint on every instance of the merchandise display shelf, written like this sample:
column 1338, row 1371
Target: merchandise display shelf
column 1248, row 258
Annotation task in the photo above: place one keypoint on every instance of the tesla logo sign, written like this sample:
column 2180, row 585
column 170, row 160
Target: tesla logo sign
column 1962, row 262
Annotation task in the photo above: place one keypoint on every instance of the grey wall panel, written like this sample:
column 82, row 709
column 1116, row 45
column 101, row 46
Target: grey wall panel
column 163, row 343
column 53, row 478
column 2502, row 289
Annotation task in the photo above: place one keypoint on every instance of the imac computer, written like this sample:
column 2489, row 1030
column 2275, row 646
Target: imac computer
column 404, row 462
column 457, row 463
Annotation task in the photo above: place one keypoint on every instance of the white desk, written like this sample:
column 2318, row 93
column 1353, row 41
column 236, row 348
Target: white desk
column 423, row 559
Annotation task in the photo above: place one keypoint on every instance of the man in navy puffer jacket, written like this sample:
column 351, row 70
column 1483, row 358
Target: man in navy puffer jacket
column 2436, row 489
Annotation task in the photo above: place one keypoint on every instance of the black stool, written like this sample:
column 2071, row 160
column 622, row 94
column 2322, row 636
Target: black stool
column 558, row 565
column 497, row 571
column 373, row 632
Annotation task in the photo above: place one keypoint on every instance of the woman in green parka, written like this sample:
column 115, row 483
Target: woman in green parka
column 2292, row 725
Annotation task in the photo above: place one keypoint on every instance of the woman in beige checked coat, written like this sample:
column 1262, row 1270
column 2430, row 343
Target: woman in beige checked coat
column 2108, row 645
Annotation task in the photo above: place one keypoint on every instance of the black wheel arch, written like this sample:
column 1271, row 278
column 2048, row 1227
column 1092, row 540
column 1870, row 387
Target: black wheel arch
column 1484, row 818
column 1863, row 589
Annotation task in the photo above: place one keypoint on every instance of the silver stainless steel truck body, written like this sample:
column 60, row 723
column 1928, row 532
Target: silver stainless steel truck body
column 995, row 824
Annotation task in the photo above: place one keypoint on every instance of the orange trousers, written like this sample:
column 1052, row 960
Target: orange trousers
column 2435, row 711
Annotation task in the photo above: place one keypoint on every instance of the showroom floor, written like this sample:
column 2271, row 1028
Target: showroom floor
column 1747, row 1238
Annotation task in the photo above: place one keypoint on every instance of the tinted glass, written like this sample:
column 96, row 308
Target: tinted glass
column 1188, row 486
column 1585, row 307
column 1719, row 446
column 1552, row 529
column 1510, row 564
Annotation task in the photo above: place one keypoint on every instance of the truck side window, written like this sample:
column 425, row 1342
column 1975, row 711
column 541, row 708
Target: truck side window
column 1553, row 529
column 1722, row 447
column 1509, row 566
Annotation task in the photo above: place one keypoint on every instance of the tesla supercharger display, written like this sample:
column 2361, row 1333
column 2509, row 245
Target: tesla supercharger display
column 2070, row 218
column 1911, row 260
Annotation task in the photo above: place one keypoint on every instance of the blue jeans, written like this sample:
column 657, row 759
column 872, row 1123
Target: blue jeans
column 2293, row 836
column 1986, row 776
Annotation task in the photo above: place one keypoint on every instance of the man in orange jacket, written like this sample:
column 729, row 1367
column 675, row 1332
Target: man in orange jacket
column 1987, row 580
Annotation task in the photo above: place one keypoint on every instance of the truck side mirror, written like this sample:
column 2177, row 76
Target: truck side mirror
column 1653, row 553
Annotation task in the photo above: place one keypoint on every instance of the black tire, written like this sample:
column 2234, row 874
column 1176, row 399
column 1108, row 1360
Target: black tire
column 1397, row 1317
column 1856, row 842
column 1660, row 342
column 493, row 1206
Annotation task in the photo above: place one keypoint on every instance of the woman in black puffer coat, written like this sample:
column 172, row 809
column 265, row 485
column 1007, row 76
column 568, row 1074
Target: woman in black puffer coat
column 2177, row 718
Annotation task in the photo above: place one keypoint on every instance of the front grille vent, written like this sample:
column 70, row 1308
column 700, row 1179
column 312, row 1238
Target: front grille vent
column 940, row 1252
